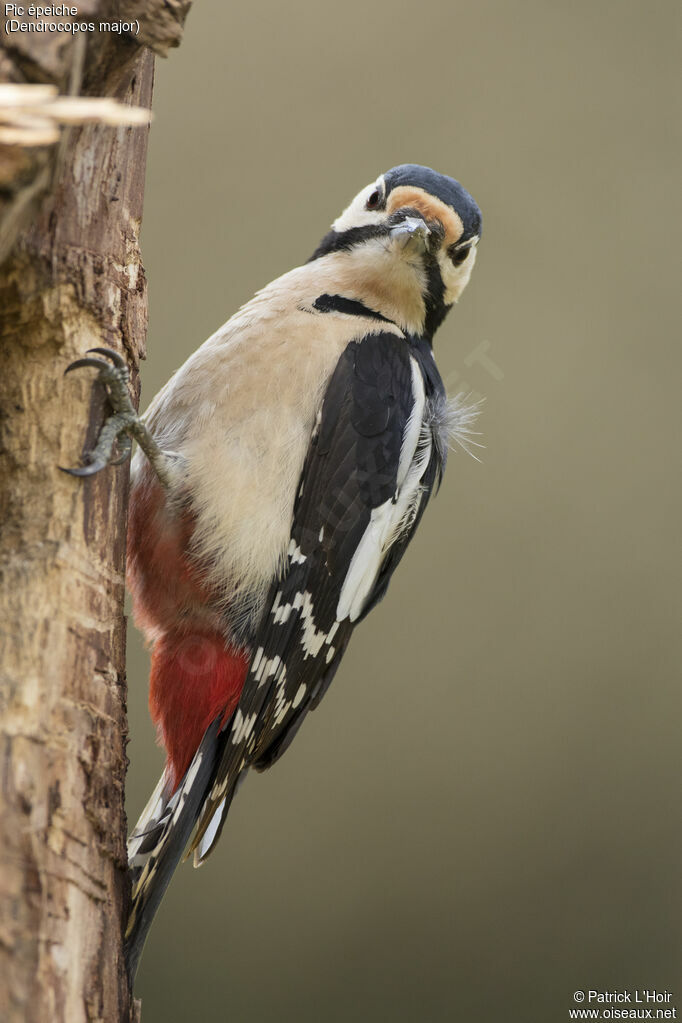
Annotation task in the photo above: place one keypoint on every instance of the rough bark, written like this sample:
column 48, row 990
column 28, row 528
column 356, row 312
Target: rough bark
column 74, row 280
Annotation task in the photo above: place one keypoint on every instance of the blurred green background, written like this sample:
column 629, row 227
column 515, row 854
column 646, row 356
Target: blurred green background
column 483, row 816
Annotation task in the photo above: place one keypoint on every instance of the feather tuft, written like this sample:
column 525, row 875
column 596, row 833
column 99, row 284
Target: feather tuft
column 456, row 421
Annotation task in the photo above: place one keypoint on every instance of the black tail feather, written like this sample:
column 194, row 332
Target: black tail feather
column 160, row 836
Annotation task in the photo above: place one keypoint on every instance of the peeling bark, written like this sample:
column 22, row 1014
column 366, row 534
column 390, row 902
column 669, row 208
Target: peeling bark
column 74, row 280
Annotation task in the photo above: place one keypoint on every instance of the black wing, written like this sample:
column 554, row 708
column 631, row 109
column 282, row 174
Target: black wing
column 366, row 452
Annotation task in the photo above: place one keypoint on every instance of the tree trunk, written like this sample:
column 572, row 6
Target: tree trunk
column 74, row 280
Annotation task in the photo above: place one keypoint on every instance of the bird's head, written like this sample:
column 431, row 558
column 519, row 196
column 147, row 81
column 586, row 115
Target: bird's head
column 405, row 246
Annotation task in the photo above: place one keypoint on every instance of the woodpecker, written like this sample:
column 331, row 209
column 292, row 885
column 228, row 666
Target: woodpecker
column 280, row 475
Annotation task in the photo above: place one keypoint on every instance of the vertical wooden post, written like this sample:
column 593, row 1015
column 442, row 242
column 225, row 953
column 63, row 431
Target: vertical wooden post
column 73, row 280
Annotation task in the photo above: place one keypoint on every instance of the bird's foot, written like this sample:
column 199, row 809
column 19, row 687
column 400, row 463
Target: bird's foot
column 123, row 426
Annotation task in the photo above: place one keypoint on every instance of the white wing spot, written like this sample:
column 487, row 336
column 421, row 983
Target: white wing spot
column 283, row 612
column 298, row 697
column 243, row 726
column 295, row 553
column 237, row 727
column 313, row 638
column 281, row 703
column 257, row 659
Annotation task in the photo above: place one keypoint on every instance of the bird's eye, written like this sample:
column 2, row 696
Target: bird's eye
column 459, row 255
column 374, row 201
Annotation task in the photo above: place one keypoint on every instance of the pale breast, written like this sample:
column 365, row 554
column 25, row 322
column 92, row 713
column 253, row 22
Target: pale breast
column 240, row 412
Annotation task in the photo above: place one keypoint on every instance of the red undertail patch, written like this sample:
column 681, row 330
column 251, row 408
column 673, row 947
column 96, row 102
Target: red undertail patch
column 194, row 678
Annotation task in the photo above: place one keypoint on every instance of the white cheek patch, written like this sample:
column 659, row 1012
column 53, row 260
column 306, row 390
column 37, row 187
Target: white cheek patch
column 455, row 278
column 356, row 215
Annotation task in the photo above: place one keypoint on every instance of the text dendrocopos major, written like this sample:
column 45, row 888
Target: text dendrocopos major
column 288, row 463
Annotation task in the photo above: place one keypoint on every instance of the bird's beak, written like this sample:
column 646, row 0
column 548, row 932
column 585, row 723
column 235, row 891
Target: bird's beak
column 413, row 232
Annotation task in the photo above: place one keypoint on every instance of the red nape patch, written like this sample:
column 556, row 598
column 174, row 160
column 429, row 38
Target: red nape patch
column 194, row 678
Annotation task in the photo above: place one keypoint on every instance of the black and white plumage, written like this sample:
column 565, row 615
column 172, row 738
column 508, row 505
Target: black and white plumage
column 374, row 458
column 307, row 436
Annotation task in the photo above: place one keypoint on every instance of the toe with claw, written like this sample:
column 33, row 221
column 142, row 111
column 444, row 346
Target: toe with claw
column 119, row 426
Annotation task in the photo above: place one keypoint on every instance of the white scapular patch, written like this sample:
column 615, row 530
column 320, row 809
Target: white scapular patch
column 204, row 847
column 413, row 426
column 393, row 517
column 296, row 554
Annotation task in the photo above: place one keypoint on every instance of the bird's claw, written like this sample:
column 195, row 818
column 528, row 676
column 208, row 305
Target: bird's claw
column 115, row 376
column 87, row 470
column 115, row 357
column 111, row 375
